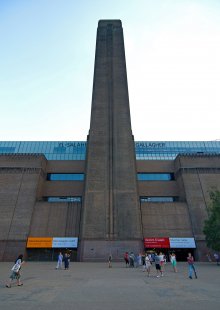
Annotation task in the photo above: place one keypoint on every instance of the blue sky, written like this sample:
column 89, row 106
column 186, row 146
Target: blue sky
column 47, row 59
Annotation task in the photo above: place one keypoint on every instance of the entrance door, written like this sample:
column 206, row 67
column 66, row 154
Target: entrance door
column 49, row 254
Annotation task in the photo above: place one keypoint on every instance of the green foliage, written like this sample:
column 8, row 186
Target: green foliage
column 212, row 224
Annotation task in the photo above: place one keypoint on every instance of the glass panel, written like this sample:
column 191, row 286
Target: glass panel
column 59, row 150
column 65, row 176
column 7, row 149
column 158, row 199
column 165, row 150
column 76, row 150
column 53, row 150
column 155, row 176
column 63, row 199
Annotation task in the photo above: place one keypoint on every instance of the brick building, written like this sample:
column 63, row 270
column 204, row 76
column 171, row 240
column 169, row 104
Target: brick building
column 109, row 194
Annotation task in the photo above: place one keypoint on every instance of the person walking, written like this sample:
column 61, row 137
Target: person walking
column 217, row 258
column 69, row 255
column 147, row 264
column 110, row 261
column 59, row 261
column 126, row 259
column 131, row 260
column 190, row 260
column 162, row 262
column 158, row 266
column 66, row 261
column 208, row 255
column 139, row 260
column 16, row 272
column 173, row 261
column 151, row 258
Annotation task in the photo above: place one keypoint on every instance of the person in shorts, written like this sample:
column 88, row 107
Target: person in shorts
column 173, row 261
column 158, row 266
column 16, row 272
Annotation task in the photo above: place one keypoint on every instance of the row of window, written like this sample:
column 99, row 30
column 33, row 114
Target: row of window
column 53, row 150
column 79, row 199
column 167, row 150
column 76, row 150
column 80, row 176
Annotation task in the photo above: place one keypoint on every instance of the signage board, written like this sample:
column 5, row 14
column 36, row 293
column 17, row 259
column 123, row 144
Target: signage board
column 174, row 243
column 182, row 243
column 49, row 242
column 156, row 243
column 39, row 242
column 65, row 242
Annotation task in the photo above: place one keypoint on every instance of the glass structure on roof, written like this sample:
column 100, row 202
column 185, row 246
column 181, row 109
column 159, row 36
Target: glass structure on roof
column 168, row 150
column 53, row 150
column 76, row 150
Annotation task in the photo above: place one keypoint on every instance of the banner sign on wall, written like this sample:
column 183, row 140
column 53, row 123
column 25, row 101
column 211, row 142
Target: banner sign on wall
column 156, row 243
column 182, row 243
column 49, row 242
column 174, row 243
column 64, row 242
column 38, row 242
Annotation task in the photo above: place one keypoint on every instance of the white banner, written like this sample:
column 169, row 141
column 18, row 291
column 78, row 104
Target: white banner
column 182, row 243
column 65, row 242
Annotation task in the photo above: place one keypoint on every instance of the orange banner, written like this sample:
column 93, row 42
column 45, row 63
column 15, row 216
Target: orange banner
column 39, row 242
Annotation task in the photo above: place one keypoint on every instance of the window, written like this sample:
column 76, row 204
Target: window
column 65, row 176
column 63, row 199
column 155, row 176
column 59, row 150
column 5, row 149
column 158, row 199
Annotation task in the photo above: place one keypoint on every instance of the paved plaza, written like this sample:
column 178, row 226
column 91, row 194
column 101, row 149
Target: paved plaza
column 95, row 286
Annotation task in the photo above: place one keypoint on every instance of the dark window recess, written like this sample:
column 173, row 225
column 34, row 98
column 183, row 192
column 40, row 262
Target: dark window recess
column 65, row 176
column 158, row 199
column 155, row 176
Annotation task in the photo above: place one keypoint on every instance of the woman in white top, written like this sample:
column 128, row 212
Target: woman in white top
column 162, row 261
column 147, row 264
column 16, row 272
column 173, row 261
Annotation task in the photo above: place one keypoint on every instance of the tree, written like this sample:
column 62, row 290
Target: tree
column 212, row 224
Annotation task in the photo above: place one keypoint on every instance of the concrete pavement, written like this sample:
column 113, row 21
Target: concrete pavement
column 94, row 286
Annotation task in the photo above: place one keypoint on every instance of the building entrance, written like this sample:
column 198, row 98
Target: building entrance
column 181, row 254
column 50, row 254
